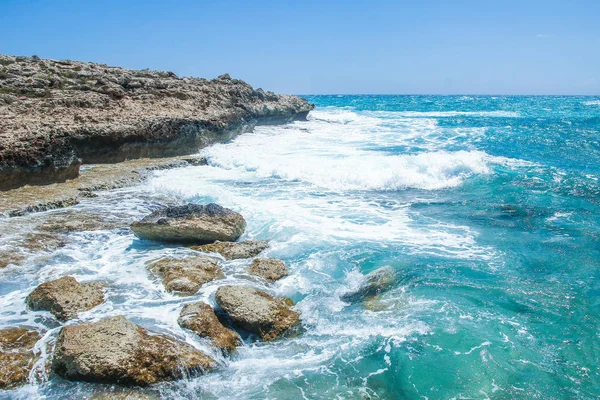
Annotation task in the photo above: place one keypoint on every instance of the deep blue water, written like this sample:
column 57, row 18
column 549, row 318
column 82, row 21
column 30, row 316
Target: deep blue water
column 488, row 207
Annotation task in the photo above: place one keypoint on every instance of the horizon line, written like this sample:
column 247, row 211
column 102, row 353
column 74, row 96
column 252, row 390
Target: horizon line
column 447, row 94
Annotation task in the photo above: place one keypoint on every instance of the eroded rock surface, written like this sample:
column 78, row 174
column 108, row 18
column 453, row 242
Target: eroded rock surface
column 372, row 284
column 191, row 223
column 16, row 356
column 115, row 350
column 124, row 395
column 256, row 311
column 186, row 276
column 56, row 114
column 65, row 297
column 270, row 269
column 201, row 318
column 234, row 250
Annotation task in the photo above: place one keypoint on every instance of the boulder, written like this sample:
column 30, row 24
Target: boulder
column 16, row 356
column 201, row 318
column 234, row 250
column 186, row 276
column 191, row 223
column 256, row 311
column 371, row 285
column 270, row 269
column 65, row 297
column 115, row 350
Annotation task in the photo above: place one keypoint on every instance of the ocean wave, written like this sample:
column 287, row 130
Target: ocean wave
column 361, row 171
column 346, row 116
column 592, row 103
column 446, row 114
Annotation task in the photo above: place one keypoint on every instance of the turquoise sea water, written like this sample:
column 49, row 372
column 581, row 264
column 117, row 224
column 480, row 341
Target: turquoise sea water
column 487, row 207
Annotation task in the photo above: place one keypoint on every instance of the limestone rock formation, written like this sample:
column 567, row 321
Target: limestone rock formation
column 186, row 276
column 201, row 318
column 270, row 269
column 65, row 297
column 234, row 250
column 256, row 311
column 16, row 356
column 372, row 284
column 57, row 114
column 191, row 223
column 124, row 395
column 115, row 350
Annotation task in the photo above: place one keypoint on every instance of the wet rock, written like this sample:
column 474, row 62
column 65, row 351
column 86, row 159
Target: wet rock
column 186, row 276
column 234, row 250
column 10, row 258
column 191, row 223
column 372, row 284
column 65, row 297
column 270, row 269
column 124, row 395
column 201, row 318
column 19, row 247
column 115, row 350
column 16, row 356
column 77, row 221
column 256, row 311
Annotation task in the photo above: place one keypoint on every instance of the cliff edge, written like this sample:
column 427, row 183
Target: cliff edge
column 55, row 115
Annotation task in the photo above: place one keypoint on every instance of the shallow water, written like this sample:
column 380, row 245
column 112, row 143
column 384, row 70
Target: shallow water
column 488, row 208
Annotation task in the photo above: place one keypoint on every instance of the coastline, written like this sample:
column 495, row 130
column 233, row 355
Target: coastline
column 58, row 115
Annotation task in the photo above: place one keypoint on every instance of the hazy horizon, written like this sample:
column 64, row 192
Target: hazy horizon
column 433, row 47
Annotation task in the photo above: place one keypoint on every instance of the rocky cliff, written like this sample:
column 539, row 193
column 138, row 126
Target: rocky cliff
column 55, row 115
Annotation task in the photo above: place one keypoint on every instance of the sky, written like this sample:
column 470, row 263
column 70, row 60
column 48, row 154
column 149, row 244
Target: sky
column 327, row 47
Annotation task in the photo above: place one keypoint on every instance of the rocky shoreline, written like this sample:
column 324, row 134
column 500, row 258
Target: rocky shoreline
column 89, row 118
column 115, row 350
column 118, row 351
column 56, row 115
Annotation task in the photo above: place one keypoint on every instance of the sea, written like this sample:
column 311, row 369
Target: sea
column 487, row 208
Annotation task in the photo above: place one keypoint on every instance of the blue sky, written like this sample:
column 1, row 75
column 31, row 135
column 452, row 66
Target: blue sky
column 445, row 47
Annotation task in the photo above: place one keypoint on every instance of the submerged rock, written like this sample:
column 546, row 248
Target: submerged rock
column 256, row 311
column 234, row 250
column 115, row 350
column 191, row 223
column 372, row 284
column 65, row 297
column 270, row 269
column 124, row 395
column 201, row 318
column 78, row 221
column 186, row 276
column 16, row 356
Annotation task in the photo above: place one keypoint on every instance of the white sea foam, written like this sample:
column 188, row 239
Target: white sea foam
column 324, row 192
column 340, row 159
column 592, row 103
column 293, row 182
column 446, row 114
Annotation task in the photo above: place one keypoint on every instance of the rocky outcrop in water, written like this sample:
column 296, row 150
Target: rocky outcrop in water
column 65, row 297
column 234, row 250
column 201, row 319
column 191, row 223
column 16, row 356
column 115, row 350
column 186, row 276
column 124, row 395
column 371, row 285
column 270, row 269
column 56, row 114
column 256, row 311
